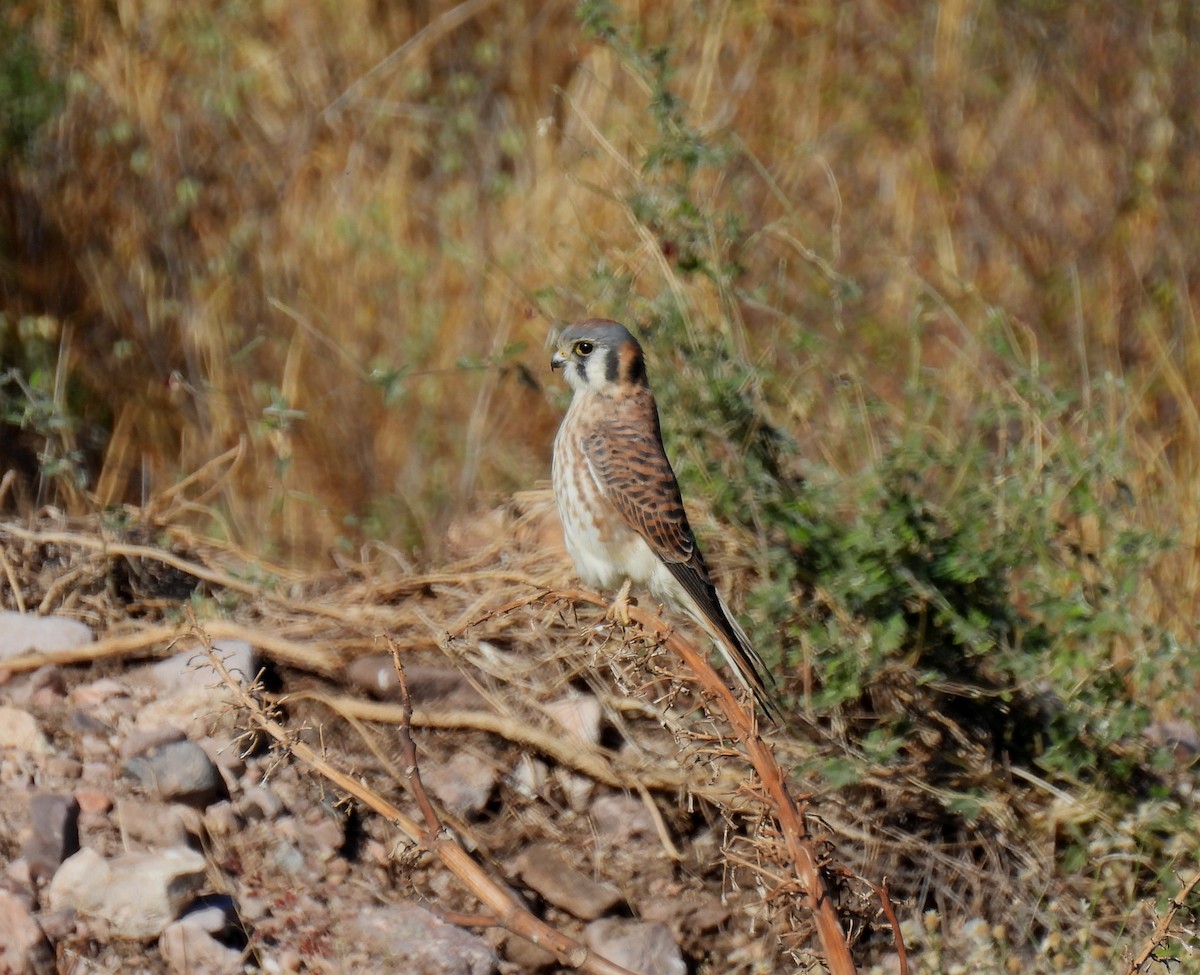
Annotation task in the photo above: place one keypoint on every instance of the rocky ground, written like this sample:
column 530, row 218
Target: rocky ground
column 143, row 828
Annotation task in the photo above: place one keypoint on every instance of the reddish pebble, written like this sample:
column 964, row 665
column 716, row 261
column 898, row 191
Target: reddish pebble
column 93, row 802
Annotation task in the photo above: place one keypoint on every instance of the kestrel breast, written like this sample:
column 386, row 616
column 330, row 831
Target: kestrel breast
column 604, row 549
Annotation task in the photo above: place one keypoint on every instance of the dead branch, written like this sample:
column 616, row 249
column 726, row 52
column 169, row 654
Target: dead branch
column 599, row 764
column 302, row 655
column 1159, row 934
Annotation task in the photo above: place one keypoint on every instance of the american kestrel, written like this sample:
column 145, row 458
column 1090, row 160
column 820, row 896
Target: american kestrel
column 618, row 498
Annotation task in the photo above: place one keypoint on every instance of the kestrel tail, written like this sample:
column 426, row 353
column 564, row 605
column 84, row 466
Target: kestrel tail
column 622, row 513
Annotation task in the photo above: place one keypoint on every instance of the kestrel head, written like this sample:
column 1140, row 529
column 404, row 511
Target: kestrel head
column 600, row 356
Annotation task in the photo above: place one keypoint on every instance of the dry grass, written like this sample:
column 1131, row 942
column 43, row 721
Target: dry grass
column 247, row 210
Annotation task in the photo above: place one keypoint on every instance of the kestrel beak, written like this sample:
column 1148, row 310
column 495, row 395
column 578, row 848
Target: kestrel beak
column 558, row 360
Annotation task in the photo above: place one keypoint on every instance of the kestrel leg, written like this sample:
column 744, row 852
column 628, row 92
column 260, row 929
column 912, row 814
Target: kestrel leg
column 619, row 610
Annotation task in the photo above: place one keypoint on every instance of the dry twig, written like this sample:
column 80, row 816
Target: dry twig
column 1159, row 934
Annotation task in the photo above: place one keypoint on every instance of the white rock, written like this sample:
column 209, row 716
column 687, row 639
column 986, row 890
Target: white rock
column 26, row 632
column 23, row 946
column 463, row 785
column 136, row 894
column 19, row 732
column 190, row 950
column 191, row 668
column 579, row 716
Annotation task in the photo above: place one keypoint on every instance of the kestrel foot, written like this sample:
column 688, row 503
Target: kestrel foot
column 618, row 612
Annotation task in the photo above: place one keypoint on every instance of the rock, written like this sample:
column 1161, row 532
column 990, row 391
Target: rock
column 226, row 755
column 47, row 686
column 145, row 740
column 579, row 715
column 692, row 912
column 55, row 820
column 93, row 802
column 200, row 709
column 326, row 836
column 619, row 818
column 98, row 692
column 259, row 802
column 98, row 775
column 23, row 945
column 221, row 820
column 18, row 880
column 81, row 721
column 463, row 785
column 213, row 913
column 530, row 777
column 136, row 894
column 19, row 732
column 190, row 668
column 27, row 632
column 527, row 957
column 180, row 771
column 93, row 749
column 577, row 788
column 646, row 947
column 188, row 949
column 546, row 870
column 57, row 925
column 61, row 767
column 155, row 824
column 407, row 938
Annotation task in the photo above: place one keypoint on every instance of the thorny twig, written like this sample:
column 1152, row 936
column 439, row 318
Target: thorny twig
column 1159, row 934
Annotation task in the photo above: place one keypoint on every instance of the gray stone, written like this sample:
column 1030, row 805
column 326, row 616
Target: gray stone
column 545, row 869
column 407, row 938
column 55, row 836
column 619, row 818
column 136, row 894
column 156, row 824
column 24, row 949
column 180, row 771
column 27, row 632
column 463, row 785
column 646, row 947
column 143, row 740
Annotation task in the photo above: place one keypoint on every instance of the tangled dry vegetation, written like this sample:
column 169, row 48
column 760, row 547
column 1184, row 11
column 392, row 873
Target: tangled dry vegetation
column 985, row 892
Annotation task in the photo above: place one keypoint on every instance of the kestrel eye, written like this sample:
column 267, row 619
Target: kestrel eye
column 583, row 349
